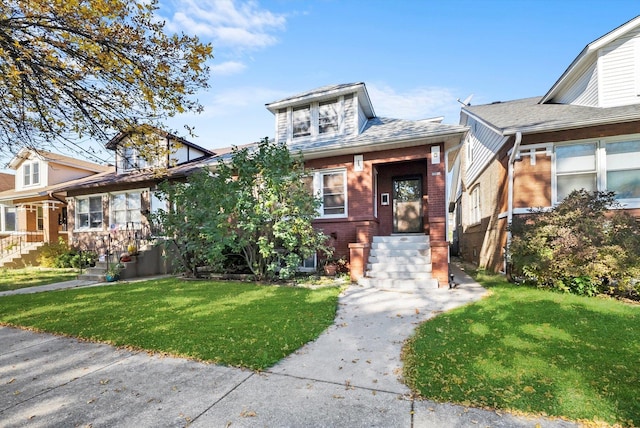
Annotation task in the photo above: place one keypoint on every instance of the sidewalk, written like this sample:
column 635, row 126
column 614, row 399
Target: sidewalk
column 348, row 377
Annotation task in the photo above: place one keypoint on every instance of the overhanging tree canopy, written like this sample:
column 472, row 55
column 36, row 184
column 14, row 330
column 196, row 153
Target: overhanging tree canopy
column 72, row 69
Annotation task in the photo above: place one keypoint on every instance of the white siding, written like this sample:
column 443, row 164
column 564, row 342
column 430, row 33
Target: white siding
column 281, row 125
column 618, row 71
column 352, row 117
column 60, row 173
column 584, row 91
column 186, row 154
column 485, row 143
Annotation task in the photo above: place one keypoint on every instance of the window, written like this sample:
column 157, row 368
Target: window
column 331, row 187
column 10, row 223
column 309, row 264
column 474, row 206
column 328, row 117
column 302, row 122
column 623, row 169
column 600, row 165
column 89, row 213
column 31, row 173
column 316, row 119
column 125, row 210
column 575, row 168
column 130, row 159
column 39, row 218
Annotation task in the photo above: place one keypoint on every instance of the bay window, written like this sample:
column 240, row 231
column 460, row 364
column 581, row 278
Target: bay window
column 623, row 169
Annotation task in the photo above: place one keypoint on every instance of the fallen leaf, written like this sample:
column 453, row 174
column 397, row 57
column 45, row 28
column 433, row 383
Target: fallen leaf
column 248, row 414
column 13, row 379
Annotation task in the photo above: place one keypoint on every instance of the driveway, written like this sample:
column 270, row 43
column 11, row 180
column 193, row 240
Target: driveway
column 348, row 377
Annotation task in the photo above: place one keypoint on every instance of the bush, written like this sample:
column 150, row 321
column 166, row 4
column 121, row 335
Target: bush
column 50, row 252
column 580, row 246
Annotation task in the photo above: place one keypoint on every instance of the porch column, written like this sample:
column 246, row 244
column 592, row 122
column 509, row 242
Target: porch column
column 436, row 177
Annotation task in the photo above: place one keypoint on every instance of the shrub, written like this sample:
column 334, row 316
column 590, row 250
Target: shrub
column 579, row 246
column 51, row 251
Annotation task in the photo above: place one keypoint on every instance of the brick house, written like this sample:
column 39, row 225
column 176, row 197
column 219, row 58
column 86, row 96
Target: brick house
column 376, row 177
column 110, row 210
column 529, row 153
column 33, row 210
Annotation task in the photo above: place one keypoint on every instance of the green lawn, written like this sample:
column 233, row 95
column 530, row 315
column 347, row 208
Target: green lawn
column 236, row 324
column 533, row 351
column 12, row 279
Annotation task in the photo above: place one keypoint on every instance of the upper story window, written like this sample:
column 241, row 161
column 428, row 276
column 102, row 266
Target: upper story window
column 31, row 173
column 316, row 119
column 89, row 212
column 605, row 166
column 328, row 117
column 301, row 122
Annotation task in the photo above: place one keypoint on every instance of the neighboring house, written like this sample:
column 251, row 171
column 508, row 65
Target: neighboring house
column 528, row 153
column 31, row 209
column 108, row 211
column 376, row 177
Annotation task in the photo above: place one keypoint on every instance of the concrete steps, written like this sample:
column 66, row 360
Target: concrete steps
column 28, row 256
column 400, row 262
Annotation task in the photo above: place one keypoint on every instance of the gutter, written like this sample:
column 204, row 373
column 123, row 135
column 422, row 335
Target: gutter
column 512, row 159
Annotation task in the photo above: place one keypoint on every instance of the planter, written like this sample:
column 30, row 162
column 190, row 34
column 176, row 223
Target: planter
column 331, row 269
column 111, row 277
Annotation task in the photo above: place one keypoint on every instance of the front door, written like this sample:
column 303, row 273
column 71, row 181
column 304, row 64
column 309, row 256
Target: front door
column 407, row 205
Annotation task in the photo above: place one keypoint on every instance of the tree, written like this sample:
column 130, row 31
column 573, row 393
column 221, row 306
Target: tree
column 72, row 69
column 256, row 205
column 580, row 246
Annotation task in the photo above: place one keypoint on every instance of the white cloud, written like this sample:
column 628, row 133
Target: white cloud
column 228, row 23
column 227, row 68
column 416, row 103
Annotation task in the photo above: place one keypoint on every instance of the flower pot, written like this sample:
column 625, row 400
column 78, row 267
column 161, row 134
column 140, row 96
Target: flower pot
column 331, row 269
column 111, row 277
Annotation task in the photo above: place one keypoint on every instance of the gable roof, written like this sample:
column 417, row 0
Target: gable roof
column 7, row 181
column 380, row 134
column 325, row 93
column 528, row 115
column 588, row 56
column 113, row 143
column 24, row 153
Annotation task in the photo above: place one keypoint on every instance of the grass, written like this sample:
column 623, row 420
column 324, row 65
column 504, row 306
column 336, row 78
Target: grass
column 533, row 351
column 230, row 323
column 13, row 279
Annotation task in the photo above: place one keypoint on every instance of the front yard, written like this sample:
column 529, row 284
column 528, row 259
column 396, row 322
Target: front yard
column 13, row 279
column 230, row 323
column 534, row 351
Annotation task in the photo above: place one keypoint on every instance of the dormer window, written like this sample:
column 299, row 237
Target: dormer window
column 316, row 120
column 328, row 117
column 31, row 173
column 302, row 122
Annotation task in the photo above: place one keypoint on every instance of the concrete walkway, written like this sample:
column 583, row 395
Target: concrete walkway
column 348, row 377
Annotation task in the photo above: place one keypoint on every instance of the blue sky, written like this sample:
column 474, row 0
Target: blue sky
column 416, row 57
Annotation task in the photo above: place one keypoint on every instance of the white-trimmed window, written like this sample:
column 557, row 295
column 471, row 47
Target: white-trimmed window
column 89, row 212
column 475, row 214
column 131, row 159
column 599, row 165
column 331, row 187
column 575, row 168
column 9, row 218
column 125, row 210
column 39, row 218
column 623, row 169
column 31, row 173
column 302, row 121
column 328, row 117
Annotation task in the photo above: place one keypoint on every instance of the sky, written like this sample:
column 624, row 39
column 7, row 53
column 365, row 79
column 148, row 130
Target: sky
column 416, row 57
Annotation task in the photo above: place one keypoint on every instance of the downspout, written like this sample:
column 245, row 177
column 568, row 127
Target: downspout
column 512, row 159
